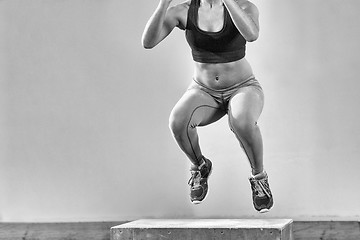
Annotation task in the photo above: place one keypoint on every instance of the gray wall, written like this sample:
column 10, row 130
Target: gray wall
column 84, row 114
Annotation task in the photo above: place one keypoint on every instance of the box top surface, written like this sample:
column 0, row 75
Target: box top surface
column 207, row 223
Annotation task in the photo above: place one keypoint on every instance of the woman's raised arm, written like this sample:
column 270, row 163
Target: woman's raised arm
column 245, row 16
column 160, row 24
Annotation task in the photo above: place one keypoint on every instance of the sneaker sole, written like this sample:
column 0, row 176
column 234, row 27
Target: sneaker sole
column 266, row 210
column 196, row 202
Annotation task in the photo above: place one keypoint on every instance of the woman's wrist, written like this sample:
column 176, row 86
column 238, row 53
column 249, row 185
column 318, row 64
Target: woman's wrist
column 165, row 2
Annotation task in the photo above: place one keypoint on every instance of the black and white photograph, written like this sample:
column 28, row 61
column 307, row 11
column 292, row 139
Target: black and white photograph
column 179, row 120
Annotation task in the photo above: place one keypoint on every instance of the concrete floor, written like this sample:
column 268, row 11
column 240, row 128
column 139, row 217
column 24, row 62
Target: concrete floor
column 322, row 230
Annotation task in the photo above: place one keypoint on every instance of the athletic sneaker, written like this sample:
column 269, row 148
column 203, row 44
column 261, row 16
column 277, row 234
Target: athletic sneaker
column 261, row 193
column 199, row 181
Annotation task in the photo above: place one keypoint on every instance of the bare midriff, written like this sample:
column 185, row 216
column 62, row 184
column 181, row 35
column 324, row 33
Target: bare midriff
column 222, row 75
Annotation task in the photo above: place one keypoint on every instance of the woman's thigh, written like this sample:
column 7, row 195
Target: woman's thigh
column 196, row 108
column 246, row 105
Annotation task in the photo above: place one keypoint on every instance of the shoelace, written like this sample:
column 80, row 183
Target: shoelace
column 195, row 178
column 261, row 187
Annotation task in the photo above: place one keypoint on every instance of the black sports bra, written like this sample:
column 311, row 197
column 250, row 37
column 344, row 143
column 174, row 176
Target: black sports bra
column 227, row 45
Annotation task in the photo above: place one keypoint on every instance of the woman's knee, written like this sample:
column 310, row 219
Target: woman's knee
column 177, row 123
column 244, row 126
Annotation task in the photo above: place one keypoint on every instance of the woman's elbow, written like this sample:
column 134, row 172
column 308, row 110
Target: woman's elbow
column 252, row 37
column 147, row 44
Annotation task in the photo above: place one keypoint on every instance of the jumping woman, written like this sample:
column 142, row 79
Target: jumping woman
column 223, row 84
